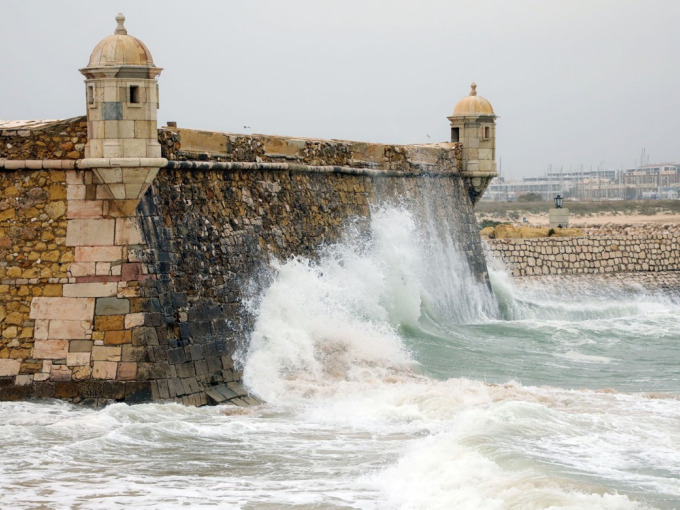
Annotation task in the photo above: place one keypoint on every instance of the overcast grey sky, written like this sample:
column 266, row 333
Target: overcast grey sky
column 575, row 82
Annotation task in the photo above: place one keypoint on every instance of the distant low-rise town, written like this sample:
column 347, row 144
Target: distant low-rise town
column 660, row 181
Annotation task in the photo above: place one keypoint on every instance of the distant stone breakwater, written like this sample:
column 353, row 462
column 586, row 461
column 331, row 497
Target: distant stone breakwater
column 647, row 254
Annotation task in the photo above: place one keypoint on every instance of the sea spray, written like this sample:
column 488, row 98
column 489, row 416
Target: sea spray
column 339, row 319
column 335, row 343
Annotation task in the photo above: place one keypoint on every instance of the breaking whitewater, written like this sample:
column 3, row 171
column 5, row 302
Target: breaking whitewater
column 394, row 379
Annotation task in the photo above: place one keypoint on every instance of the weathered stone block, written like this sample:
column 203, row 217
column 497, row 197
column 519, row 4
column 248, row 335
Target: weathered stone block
column 76, row 192
column 109, row 322
column 127, row 371
column 64, row 308
column 78, row 359
column 138, row 392
column 82, row 269
column 144, row 336
column 128, row 232
column 60, row 373
column 50, row 349
column 14, row 393
column 133, row 353
column 89, row 290
column 9, row 367
column 81, row 346
column 112, row 306
column 134, row 320
column 23, row 380
column 106, row 353
column 84, row 209
column 81, row 373
column 175, row 387
column 65, row 390
column 90, row 232
column 163, row 391
column 69, row 330
column 98, row 253
column 117, row 337
column 104, row 370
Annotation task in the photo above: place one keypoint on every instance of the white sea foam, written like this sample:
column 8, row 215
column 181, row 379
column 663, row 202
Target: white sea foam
column 586, row 358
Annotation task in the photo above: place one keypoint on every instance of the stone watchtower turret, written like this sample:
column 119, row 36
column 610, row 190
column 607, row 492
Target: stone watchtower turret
column 122, row 100
column 473, row 124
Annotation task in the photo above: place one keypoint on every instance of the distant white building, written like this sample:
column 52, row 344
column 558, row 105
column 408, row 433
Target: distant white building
column 657, row 181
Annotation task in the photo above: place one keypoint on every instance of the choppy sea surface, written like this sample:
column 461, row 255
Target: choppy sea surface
column 393, row 381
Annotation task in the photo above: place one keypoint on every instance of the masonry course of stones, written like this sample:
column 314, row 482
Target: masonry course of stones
column 608, row 249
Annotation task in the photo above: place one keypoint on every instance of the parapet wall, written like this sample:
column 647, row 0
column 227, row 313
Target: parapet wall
column 609, row 250
column 44, row 140
column 188, row 144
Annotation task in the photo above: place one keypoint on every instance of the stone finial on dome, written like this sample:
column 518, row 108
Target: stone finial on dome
column 473, row 104
column 120, row 29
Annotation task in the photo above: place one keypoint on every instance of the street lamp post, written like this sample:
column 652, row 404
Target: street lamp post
column 559, row 216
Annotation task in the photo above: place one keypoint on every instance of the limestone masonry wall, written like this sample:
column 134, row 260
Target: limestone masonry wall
column 612, row 249
column 35, row 261
column 102, row 302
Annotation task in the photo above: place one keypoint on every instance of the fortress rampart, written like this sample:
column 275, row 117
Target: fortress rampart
column 97, row 305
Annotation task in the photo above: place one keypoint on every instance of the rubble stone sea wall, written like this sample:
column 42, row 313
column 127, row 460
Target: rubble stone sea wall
column 605, row 250
column 210, row 236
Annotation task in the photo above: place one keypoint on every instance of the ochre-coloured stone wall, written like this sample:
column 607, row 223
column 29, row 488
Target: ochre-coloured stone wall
column 69, row 294
column 34, row 261
column 610, row 250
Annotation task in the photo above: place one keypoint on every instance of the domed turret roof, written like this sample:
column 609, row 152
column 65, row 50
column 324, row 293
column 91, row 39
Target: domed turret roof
column 120, row 49
column 473, row 104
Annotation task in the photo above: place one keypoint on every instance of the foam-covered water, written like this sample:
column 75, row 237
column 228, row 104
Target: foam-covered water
column 393, row 380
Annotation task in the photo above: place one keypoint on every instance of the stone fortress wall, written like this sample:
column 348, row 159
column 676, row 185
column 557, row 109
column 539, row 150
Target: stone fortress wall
column 98, row 306
column 607, row 250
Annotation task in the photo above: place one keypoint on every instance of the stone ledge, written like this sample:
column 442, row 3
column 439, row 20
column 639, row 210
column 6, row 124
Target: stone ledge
column 122, row 162
column 37, row 164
